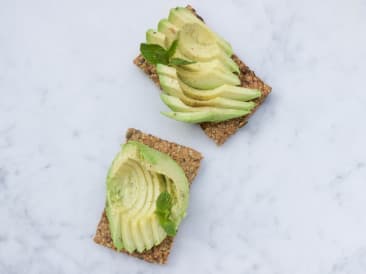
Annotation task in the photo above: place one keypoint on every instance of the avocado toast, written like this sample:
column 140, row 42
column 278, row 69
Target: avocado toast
column 146, row 230
column 202, row 80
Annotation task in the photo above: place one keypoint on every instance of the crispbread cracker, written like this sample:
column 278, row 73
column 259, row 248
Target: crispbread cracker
column 189, row 159
column 221, row 131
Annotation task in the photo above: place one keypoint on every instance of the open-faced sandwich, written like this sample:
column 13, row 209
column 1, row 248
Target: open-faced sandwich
column 202, row 80
column 147, row 196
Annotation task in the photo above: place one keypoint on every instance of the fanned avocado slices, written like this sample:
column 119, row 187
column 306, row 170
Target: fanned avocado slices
column 147, row 197
column 172, row 87
column 215, row 108
column 180, row 16
column 196, row 71
column 199, row 44
column 185, row 113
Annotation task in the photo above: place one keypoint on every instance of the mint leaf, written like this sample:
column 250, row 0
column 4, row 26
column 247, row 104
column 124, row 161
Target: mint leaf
column 162, row 214
column 164, row 201
column 163, row 210
column 179, row 62
column 154, row 54
column 168, row 226
column 172, row 49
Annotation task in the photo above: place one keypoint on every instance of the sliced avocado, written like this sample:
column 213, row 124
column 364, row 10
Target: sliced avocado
column 199, row 44
column 155, row 37
column 172, row 87
column 115, row 227
column 194, row 37
column 176, row 104
column 179, row 54
column 213, row 62
column 141, row 207
column 166, row 70
column 134, row 183
column 157, row 230
column 169, row 30
column 198, row 66
column 199, row 117
column 127, row 234
column 226, row 91
column 145, row 225
column 209, row 78
column 180, row 16
column 185, row 113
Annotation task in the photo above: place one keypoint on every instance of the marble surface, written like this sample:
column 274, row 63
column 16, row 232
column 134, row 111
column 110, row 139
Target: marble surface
column 286, row 195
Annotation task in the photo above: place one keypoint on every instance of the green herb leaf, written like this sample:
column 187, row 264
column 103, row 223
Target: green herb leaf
column 180, row 62
column 163, row 209
column 169, row 227
column 164, row 201
column 172, row 49
column 154, row 54
column 162, row 214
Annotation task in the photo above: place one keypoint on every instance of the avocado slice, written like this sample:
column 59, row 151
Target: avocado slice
column 199, row 44
column 180, row 16
column 225, row 66
column 188, row 114
column 172, row 87
column 138, row 175
column 156, row 37
column 169, row 30
column 198, row 66
column 176, row 104
column 212, row 116
column 226, row 91
column 209, row 78
column 166, row 70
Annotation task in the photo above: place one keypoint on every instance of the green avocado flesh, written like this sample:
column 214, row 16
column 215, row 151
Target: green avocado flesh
column 185, row 113
column 209, row 78
column 172, row 86
column 199, row 44
column 180, row 16
column 169, row 30
column 216, row 107
column 136, row 179
column 155, row 37
column 199, row 117
column 207, row 90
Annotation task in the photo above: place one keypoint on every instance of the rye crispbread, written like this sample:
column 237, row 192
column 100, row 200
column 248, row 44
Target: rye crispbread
column 189, row 159
column 221, row 131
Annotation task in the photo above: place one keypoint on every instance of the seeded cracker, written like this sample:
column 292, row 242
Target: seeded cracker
column 221, row 131
column 188, row 159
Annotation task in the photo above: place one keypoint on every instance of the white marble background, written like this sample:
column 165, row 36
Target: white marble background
column 286, row 195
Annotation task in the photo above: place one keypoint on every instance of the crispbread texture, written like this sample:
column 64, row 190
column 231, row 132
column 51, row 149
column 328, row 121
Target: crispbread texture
column 220, row 131
column 189, row 159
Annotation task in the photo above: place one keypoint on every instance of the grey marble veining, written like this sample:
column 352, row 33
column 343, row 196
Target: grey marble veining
column 285, row 195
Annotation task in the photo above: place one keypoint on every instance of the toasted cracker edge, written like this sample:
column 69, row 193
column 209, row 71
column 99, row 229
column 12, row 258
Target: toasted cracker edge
column 188, row 158
column 221, row 131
